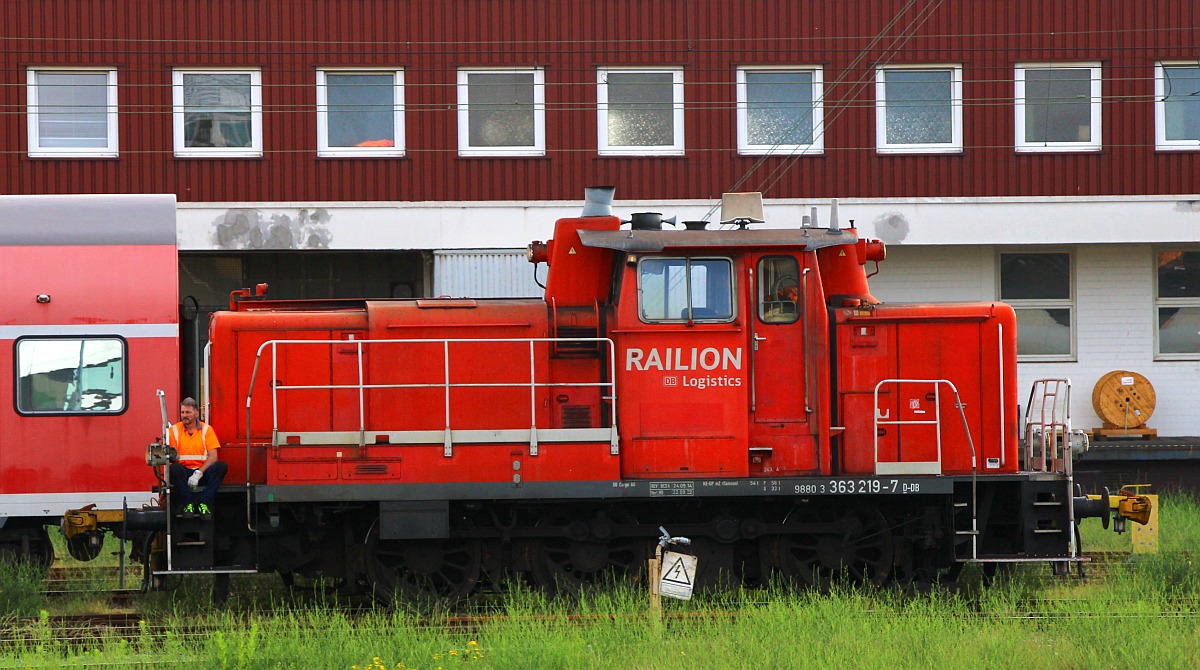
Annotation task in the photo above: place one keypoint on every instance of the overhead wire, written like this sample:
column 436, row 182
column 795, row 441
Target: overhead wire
column 861, row 55
column 865, row 79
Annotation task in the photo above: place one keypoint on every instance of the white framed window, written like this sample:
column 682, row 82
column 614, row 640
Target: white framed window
column 1040, row 288
column 501, row 112
column 217, row 113
column 780, row 111
column 360, row 112
column 918, row 109
column 640, row 112
column 1177, row 106
column 1177, row 304
column 72, row 112
column 1058, row 107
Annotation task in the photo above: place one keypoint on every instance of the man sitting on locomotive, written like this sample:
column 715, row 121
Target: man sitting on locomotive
column 199, row 472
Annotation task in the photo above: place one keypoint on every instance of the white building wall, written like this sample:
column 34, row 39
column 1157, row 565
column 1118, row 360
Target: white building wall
column 935, row 274
column 932, row 222
column 1115, row 320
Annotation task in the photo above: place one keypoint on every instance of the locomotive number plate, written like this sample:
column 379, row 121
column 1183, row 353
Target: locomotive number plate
column 871, row 485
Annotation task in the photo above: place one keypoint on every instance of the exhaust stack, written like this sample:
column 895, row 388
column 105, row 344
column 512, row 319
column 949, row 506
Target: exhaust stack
column 598, row 200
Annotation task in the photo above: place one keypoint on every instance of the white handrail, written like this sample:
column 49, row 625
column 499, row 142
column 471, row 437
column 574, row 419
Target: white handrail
column 933, row 467
column 1053, row 437
column 446, row 385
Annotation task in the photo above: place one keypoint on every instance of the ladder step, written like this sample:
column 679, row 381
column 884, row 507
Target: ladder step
column 1047, row 503
column 1046, row 530
column 198, row 543
column 966, row 532
column 962, row 504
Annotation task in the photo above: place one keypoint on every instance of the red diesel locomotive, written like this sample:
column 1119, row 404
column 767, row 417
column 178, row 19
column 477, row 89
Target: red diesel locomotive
column 738, row 386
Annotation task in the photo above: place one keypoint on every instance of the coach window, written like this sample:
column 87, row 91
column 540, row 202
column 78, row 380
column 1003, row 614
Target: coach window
column 778, row 289
column 1039, row 288
column 1177, row 302
column 685, row 289
column 70, row 375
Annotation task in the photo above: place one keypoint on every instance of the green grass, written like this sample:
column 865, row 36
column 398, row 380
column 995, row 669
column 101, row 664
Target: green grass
column 1141, row 614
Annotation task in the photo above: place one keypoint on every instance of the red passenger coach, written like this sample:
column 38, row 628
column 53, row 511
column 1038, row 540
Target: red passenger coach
column 737, row 386
column 89, row 328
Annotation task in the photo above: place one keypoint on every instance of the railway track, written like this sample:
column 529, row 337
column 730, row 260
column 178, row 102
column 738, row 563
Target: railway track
column 85, row 630
column 94, row 628
column 61, row 581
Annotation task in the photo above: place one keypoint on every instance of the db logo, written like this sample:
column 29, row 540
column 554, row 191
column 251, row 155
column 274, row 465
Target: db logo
column 670, row 381
column 914, row 403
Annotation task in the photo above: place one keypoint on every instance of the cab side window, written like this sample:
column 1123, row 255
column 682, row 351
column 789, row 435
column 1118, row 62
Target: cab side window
column 685, row 289
column 778, row 289
column 70, row 375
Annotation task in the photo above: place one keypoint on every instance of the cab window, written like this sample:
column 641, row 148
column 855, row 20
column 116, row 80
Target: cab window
column 778, row 289
column 685, row 289
column 70, row 375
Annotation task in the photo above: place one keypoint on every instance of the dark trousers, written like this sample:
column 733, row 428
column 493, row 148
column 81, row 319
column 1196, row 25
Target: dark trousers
column 211, row 481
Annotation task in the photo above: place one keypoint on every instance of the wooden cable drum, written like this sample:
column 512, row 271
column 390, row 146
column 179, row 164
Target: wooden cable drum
column 1123, row 399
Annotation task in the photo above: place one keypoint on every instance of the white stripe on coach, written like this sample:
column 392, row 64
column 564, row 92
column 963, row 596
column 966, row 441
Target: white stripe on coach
column 126, row 330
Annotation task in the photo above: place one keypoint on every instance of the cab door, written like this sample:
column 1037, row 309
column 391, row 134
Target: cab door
column 781, row 440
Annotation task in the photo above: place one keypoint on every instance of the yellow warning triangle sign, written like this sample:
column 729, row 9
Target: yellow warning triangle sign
column 572, row 252
column 840, row 253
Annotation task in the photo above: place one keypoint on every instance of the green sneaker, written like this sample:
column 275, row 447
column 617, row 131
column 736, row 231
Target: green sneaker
column 189, row 511
column 204, row 510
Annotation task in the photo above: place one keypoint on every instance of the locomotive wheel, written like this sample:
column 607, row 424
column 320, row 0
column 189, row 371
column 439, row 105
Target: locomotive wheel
column 441, row 569
column 580, row 553
column 718, row 568
column 40, row 553
column 853, row 541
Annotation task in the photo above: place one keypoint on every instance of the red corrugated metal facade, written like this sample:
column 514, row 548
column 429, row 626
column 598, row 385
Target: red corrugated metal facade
column 430, row 39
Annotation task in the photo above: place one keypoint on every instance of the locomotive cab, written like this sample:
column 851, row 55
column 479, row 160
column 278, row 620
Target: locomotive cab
column 717, row 348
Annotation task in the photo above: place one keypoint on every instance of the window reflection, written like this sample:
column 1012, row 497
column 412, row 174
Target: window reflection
column 1058, row 105
column 682, row 289
column 217, row 110
column 361, row 109
column 641, row 109
column 501, row 109
column 1178, row 303
column 779, row 289
column 70, row 375
column 920, row 106
column 779, row 108
column 1043, row 332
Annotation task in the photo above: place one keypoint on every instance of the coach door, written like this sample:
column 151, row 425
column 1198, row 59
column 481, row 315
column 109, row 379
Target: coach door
column 780, row 394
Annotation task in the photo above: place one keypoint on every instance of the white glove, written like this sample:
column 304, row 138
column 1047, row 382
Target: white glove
column 194, row 480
